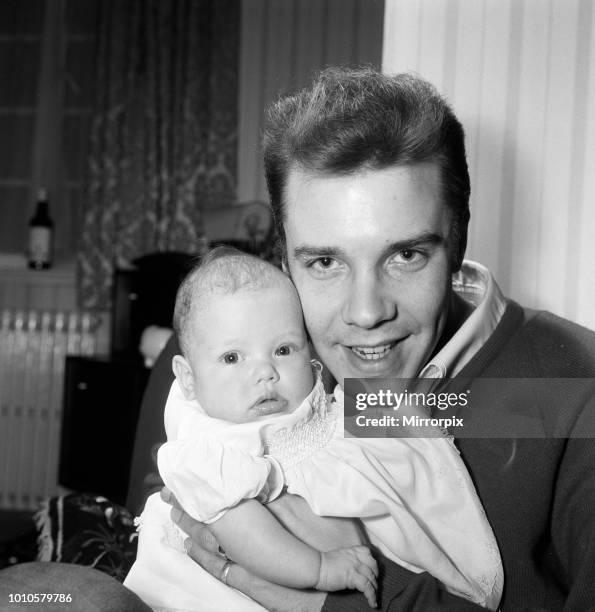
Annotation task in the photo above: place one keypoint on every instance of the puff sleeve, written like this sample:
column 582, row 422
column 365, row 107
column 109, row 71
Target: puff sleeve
column 208, row 478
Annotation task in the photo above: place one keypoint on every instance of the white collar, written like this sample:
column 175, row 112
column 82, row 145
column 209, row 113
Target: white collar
column 475, row 284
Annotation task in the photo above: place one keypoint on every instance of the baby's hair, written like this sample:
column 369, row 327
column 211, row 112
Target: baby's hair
column 223, row 270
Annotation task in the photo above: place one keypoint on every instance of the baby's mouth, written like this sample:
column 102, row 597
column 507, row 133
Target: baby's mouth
column 269, row 403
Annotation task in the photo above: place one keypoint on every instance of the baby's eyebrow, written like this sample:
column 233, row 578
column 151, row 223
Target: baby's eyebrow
column 228, row 345
column 297, row 332
column 294, row 336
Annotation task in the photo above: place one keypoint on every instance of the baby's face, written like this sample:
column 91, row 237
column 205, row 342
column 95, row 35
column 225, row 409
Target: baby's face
column 251, row 357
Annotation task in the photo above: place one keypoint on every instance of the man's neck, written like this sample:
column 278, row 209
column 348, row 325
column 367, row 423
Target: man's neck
column 458, row 312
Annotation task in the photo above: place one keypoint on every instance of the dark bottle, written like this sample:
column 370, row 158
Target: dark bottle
column 41, row 230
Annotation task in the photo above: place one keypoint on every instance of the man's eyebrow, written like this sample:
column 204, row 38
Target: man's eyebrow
column 318, row 251
column 424, row 238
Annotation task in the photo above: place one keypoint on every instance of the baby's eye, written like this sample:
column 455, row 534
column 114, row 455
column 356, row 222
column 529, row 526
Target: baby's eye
column 284, row 350
column 230, row 358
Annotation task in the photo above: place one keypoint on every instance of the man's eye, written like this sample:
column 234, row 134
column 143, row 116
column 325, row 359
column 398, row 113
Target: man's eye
column 284, row 350
column 323, row 264
column 407, row 260
column 409, row 256
column 230, row 358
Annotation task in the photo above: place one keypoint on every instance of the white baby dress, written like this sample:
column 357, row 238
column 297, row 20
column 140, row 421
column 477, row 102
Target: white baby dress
column 414, row 496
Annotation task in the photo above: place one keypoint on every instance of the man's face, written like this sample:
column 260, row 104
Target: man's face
column 369, row 255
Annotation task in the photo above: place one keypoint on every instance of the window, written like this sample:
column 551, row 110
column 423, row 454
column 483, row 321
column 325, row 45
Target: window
column 46, row 99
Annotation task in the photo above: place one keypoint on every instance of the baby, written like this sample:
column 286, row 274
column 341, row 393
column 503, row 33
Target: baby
column 247, row 418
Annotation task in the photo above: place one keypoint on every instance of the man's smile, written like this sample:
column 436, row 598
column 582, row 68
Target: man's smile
column 373, row 359
column 373, row 353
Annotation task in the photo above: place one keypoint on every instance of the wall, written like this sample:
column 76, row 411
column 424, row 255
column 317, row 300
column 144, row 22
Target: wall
column 521, row 76
column 282, row 43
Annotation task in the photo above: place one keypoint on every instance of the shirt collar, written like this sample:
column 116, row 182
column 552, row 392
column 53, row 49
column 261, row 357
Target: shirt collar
column 475, row 285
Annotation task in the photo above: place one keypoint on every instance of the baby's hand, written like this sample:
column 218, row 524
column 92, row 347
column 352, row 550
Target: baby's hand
column 349, row 568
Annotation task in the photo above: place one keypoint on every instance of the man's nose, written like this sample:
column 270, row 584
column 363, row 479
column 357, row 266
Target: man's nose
column 265, row 371
column 369, row 302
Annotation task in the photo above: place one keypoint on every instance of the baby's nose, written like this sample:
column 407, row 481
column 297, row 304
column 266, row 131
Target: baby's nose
column 266, row 372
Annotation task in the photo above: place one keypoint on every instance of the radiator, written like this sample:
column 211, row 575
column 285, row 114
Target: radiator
column 33, row 349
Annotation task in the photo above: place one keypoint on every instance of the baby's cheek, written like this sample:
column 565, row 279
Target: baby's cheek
column 307, row 379
column 300, row 383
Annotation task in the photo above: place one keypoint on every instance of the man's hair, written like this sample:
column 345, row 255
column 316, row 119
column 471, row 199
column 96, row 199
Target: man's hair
column 223, row 270
column 359, row 119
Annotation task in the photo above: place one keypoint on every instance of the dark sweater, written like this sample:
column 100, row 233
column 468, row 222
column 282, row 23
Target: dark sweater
column 539, row 494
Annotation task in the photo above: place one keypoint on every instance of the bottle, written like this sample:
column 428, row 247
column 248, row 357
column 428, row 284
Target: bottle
column 41, row 229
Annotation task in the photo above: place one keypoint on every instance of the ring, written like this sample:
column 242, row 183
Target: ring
column 225, row 571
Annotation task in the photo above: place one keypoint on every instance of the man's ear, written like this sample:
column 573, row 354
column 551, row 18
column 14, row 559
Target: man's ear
column 184, row 376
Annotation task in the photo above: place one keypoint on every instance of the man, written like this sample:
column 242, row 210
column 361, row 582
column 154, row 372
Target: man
column 369, row 187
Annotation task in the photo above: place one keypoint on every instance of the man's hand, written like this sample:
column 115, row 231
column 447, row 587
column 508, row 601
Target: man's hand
column 200, row 544
column 352, row 568
column 203, row 548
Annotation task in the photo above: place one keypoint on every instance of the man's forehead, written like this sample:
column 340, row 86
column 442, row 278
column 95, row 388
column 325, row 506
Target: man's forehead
column 394, row 203
column 303, row 174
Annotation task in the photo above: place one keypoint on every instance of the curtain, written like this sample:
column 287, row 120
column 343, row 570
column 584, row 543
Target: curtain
column 164, row 132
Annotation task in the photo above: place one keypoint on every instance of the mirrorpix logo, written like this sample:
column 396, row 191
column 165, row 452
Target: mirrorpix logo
column 401, row 408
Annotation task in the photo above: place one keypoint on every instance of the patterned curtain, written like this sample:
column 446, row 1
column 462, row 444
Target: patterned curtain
column 164, row 134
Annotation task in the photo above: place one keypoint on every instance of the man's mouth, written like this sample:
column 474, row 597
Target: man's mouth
column 372, row 353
